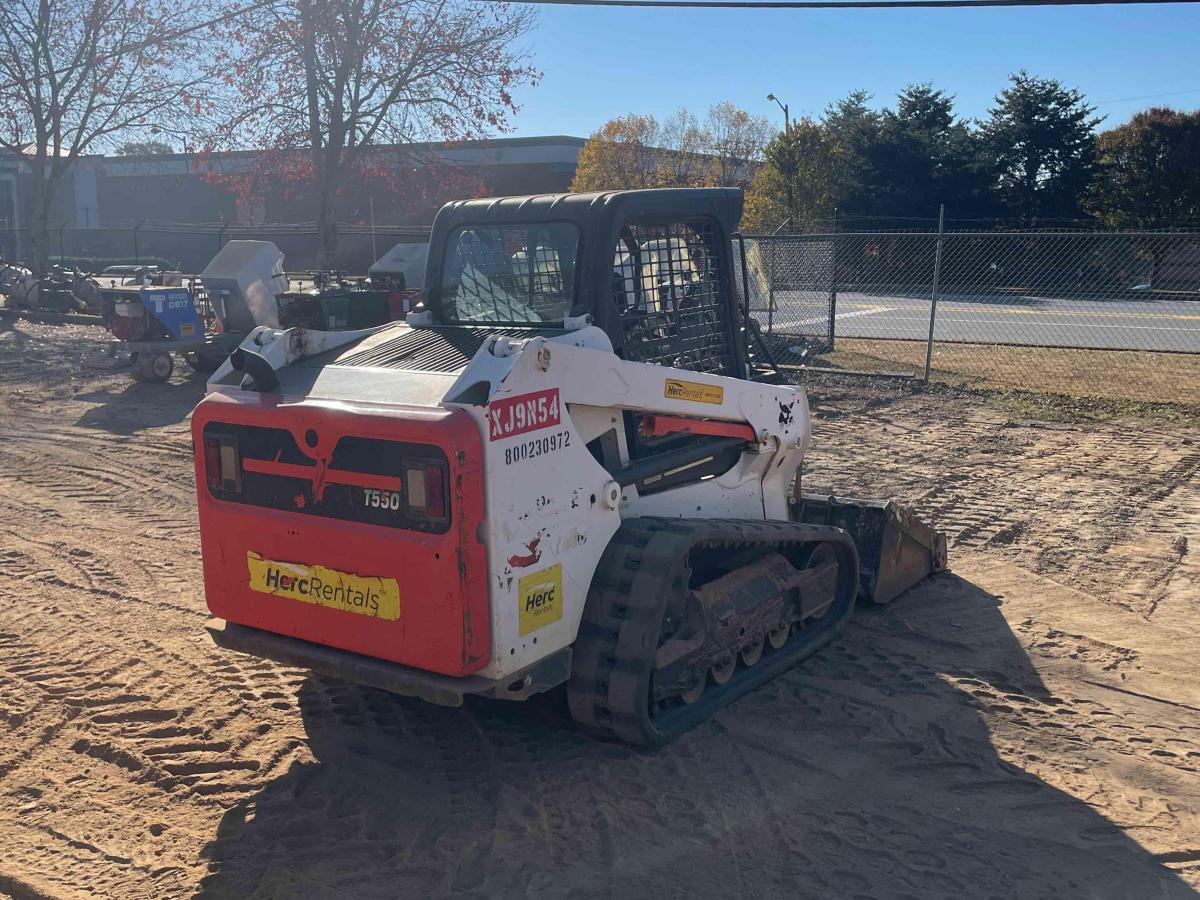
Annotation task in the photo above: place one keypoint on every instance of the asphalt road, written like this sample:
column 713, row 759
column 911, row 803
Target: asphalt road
column 1027, row 320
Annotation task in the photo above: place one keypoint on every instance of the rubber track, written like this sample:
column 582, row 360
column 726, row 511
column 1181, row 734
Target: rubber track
column 643, row 566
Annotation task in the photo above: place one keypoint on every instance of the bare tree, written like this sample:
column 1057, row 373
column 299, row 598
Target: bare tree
column 682, row 161
column 78, row 76
column 318, row 85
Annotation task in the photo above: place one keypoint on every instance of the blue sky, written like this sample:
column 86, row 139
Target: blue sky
column 600, row 63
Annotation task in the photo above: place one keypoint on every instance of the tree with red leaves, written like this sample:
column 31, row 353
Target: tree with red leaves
column 318, row 87
column 82, row 76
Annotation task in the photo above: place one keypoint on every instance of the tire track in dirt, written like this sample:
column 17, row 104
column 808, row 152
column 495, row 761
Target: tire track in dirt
column 75, row 468
column 85, row 571
column 923, row 755
column 139, row 728
column 140, row 710
column 996, row 487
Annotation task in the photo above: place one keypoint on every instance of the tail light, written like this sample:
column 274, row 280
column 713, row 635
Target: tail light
column 425, row 482
column 212, row 462
column 222, row 465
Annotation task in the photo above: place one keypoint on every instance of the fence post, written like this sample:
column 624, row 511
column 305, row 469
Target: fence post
column 371, row 203
column 833, row 281
column 770, row 245
column 933, row 297
column 771, row 286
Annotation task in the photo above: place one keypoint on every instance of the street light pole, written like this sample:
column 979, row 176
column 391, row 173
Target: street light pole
column 788, row 179
column 786, row 122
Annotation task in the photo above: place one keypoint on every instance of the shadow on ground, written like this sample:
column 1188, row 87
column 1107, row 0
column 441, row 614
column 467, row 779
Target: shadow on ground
column 867, row 772
column 139, row 406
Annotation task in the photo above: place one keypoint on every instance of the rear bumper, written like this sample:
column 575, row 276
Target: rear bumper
column 443, row 690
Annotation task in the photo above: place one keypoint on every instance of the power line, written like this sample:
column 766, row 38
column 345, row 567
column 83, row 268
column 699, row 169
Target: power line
column 1147, row 97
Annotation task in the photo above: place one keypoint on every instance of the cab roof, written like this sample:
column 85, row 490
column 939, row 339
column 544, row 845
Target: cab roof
column 597, row 208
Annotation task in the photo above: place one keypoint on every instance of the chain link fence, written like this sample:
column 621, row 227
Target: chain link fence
column 1113, row 314
column 1084, row 313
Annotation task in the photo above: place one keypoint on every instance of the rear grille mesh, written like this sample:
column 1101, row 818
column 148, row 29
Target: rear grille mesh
column 430, row 349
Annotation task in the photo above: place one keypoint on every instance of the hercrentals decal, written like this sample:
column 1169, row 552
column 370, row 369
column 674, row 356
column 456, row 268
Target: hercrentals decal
column 674, row 389
column 540, row 596
column 511, row 416
column 363, row 595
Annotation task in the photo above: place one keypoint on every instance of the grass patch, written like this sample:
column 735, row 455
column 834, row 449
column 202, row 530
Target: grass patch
column 1130, row 380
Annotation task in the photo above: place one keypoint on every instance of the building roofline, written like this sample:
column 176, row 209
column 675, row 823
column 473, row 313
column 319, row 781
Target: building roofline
column 479, row 144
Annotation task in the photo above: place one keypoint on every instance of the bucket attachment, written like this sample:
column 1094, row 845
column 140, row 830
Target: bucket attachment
column 895, row 548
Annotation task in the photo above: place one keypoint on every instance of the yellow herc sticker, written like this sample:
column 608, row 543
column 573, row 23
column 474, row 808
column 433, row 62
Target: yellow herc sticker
column 364, row 596
column 691, row 390
column 540, row 596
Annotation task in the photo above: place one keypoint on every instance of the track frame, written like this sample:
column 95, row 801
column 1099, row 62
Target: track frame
column 645, row 564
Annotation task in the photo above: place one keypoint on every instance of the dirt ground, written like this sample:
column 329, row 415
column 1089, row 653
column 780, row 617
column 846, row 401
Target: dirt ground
column 1026, row 726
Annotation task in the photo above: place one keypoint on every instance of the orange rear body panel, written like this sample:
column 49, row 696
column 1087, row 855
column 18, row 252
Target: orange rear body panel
column 358, row 582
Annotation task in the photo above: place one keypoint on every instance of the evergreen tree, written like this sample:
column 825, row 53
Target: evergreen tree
column 1040, row 137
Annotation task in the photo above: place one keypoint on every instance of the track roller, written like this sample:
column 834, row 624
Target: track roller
column 753, row 651
column 777, row 637
column 684, row 616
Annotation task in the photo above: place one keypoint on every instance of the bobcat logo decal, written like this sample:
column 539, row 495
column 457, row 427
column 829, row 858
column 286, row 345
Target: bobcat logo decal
column 785, row 414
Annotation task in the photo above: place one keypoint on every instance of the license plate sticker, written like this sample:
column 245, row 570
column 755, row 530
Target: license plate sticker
column 362, row 595
column 511, row 416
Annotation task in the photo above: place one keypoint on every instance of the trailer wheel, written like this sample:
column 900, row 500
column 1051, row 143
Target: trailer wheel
column 154, row 368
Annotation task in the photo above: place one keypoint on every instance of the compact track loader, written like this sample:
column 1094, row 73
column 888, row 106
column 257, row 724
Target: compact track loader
column 559, row 470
